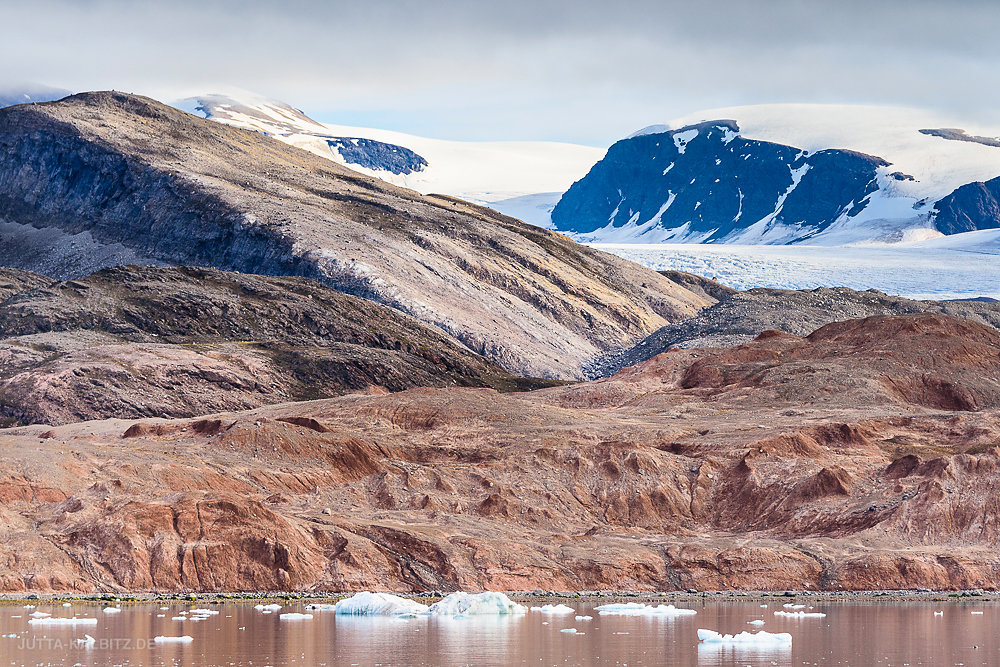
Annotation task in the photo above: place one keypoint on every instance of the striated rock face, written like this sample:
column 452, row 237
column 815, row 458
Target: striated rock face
column 706, row 183
column 828, row 461
column 972, row 206
column 125, row 179
column 145, row 341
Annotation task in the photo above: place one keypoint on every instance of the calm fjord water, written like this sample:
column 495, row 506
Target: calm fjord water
column 851, row 634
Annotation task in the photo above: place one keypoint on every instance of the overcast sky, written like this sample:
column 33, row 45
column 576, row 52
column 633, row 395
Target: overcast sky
column 572, row 70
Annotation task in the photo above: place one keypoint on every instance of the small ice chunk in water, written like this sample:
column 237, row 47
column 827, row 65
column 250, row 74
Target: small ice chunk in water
column 293, row 616
column 39, row 614
column 86, row 641
column 573, row 630
column 267, row 607
column 761, row 638
column 204, row 612
column 640, row 609
column 584, row 618
column 378, row 604
column 756, row 622
column 977, row 613
column 183, row 639
column 67, row 604
column 321, row 606
column 112, row 610
column 939, row 613
column 793, row 606
column 63, row 621
column 554, row 609
column 179, row 618
column 800, row 614
column 476, row 604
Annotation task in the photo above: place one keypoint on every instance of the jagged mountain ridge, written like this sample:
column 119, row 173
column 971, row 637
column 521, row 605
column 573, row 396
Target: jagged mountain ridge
column 126, row 173
column 787, row 174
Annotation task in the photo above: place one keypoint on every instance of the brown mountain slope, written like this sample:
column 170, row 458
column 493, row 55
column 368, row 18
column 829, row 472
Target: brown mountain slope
column 147, row 341
column 114, row 178
column 691, row 470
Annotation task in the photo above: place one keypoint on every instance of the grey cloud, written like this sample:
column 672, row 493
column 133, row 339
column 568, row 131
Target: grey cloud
column 587, row 71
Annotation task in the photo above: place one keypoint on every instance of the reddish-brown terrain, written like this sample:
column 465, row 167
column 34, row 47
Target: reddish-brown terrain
column 862, row 456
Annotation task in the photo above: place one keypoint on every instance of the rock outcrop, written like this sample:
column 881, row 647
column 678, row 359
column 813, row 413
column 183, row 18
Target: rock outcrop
column 125, row 179
column 145, row 341
column 862, row 456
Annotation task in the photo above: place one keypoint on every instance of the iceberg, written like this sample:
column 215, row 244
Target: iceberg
column 801, row 614
column 378, row 604
column 267, row 607
column 640, row 609
column 63, row 621
column 476, row 604
column 554, row 609
column 183, row 639
column 761, row 638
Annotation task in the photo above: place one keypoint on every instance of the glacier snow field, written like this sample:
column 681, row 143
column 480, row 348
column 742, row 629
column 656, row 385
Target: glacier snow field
column 937, row 269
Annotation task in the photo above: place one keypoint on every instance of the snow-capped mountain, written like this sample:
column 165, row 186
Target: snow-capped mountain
column 520, row 178
column 29, row 92
column 778, row 174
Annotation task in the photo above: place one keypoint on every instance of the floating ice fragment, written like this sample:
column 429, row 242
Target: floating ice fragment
column 640, row 609
column 476, row 604
column 756, row 622
column 761, row 638
column 267, row 607
column 321, row 606
column 293, row 616
column 554, row 609
column 800, row 614
column 977, row 613
column 939, row 613
column 573, row 630
column 86, row 641
column 10, row 636
column 204, row 612
column 584, row 618
column 793, row 606
column 39, row 614
column 179, row 618
column 378, row 604
column 112, row 610
column 183, row 639
column 63, row 621
column 67, row 604
column 163, row 608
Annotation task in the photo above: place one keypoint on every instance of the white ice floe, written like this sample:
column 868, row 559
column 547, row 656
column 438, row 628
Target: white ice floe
column 267, row 607
column 793, row 606
column 977, row 613
column 63, row 621
column 112, row 610
column 29, row 606
column 67, row 604
column 640, row 609
column 183, row 639
column 476, row 604
column 761, row 638
column 179, row 618
column 584, row 618
column 800, row 614
column 86, row 641
column 163, row 608
column 294, row 616
column 756, row 622
column 939, row 613
column 554, row 609
column 569, row 630
column 378, row 604
column 39, row 614
column 10, row 636
column 321, row 606
column 203, row 612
